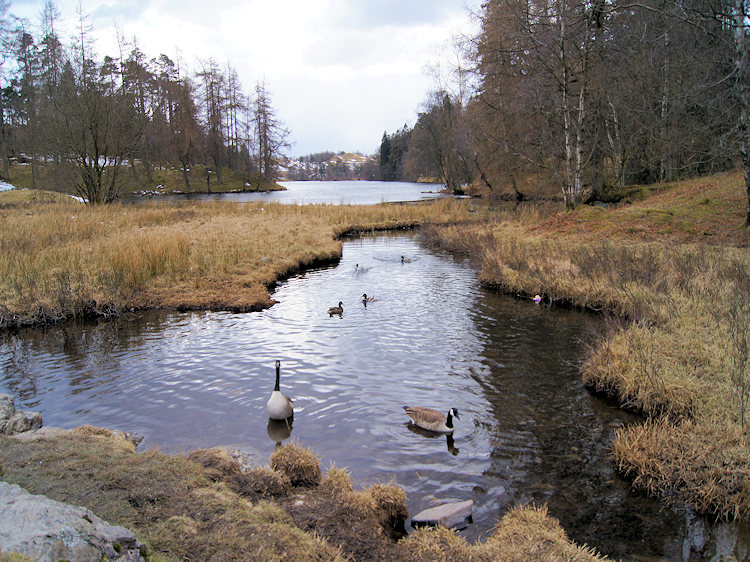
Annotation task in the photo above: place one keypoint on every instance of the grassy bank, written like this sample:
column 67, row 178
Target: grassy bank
column 163, row 181
column 203, row 506
column 66, row 259
column 674, row 268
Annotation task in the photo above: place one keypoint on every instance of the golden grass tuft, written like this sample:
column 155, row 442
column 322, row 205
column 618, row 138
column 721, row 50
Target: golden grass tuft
column 337, row 481
column 529, row 533
column 299, row 464
column 524, row 533
column 390, row 506
column 265, row 482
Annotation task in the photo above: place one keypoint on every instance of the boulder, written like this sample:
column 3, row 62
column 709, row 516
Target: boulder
column 47, row 432
column 13, row 421
column 452, row 515
column 45, row 529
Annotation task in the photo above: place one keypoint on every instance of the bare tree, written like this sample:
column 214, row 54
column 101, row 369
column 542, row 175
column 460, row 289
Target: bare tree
column 270, row 135
column 97, row 123
column 442, row 137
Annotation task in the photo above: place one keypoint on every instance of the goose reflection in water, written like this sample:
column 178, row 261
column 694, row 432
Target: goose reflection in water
column 450, row 443
column 279, row 430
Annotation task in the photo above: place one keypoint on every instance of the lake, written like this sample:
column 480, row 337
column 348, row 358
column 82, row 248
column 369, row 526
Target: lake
column 329, row 192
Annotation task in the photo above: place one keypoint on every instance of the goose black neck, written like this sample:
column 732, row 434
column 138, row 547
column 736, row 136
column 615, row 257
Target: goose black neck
column 278, row 369
column 449, row 420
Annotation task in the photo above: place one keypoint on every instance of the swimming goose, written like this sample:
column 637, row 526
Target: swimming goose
column 336, row 309
column 432, row 420
column 366, row 299
column 279, row 406
column 405, row 260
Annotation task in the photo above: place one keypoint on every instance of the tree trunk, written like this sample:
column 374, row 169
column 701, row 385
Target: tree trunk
column 742, row 91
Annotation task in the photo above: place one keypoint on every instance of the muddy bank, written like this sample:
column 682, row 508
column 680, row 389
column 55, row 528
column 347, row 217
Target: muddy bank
column 207, row 505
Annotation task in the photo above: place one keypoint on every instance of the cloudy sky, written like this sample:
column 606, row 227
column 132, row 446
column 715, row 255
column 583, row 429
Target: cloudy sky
column 341, row 72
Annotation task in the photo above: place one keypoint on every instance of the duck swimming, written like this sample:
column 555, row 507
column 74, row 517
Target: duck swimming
column 336, row 309
column 432, row 420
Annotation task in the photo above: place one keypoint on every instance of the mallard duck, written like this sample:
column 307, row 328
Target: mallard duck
column 405, row 260
column 279, row 406
column 336, row 309
column 366, row 299
column 432, row 420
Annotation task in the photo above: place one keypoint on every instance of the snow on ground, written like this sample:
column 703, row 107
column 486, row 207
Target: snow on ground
column 6, row 186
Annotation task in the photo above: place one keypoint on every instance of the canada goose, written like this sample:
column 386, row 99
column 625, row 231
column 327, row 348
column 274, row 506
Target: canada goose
column 366, row 299
column 336, row 309
column 279, row 406
column 432, row 420
column 405, row 260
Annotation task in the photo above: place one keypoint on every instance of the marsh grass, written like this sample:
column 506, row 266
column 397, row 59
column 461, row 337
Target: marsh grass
column 63, row 260
column 679, row 351
column 524, row 533
column 204, row 506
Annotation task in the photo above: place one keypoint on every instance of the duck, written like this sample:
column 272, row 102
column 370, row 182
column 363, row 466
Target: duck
column 336, row 309
column 279, row 406
column 537, row 298
column 366, row 299
column 432, row 420
column 405, row 260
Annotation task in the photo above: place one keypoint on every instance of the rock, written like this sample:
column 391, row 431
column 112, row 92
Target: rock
column 42, row 433
column 13, row 421
column 453, row 515
column 45, row 529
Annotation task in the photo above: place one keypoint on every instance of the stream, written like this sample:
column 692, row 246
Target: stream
column 529, row 431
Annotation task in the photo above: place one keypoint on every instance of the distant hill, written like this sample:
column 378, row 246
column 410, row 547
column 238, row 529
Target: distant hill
column 331, row 166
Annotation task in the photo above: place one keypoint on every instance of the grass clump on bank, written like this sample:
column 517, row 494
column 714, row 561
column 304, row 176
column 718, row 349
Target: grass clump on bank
column 678, row 280
column 204, row 506
column 63, row 260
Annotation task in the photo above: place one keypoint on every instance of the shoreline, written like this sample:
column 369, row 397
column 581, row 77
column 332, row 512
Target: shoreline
column 659, row 358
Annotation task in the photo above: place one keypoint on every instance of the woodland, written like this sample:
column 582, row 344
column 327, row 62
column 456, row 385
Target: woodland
column 83, row 121
column 578, row 98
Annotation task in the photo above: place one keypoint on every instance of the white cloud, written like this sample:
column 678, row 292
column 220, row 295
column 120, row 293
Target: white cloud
column 340, row 72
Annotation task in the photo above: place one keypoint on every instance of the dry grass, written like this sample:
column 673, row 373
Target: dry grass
column 15, row 197
column 205, row 506
column 680, row 351
column 62, row 260
column 707, row 464
column 300, row 465
column 524, row 533
column 179, row 508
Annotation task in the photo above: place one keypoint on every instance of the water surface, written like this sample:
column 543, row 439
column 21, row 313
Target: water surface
column 331, row 192
column 529, row 431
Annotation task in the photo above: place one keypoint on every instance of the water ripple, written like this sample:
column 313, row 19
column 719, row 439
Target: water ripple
column 431, row 338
